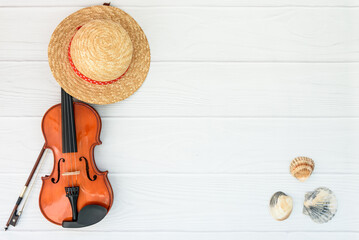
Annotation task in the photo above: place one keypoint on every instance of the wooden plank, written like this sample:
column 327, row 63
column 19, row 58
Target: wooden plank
column 203, row 89
column 205, row 34
column 90, row 235
column 198, row 145
column 192, row 3
column 196, row 202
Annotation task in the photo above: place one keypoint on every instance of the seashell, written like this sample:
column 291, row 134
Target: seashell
column 320, row 205
column 280, row 206
column 301, row 168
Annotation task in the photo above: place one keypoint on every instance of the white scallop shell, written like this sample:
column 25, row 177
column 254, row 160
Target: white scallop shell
column 280, row 206
column 320, row 205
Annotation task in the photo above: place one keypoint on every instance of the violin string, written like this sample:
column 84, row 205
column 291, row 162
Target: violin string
column 72, row 137
column 77, row 149
column 76, row 159
column 69, row 136
column 73, row 141
column 65, row 136
column 69, row 125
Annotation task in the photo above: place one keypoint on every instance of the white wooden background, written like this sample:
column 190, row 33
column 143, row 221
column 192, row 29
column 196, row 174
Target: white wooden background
column 236, row 89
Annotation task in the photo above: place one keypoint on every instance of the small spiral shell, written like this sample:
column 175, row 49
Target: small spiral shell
column 301, row 168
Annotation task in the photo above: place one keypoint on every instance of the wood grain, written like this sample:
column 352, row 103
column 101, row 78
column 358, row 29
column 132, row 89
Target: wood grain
column 91, row 235
column 202, row 90
column 198, row 145
column 205, row 34
column 160, row 3
column 197, row 202
column 235, row 91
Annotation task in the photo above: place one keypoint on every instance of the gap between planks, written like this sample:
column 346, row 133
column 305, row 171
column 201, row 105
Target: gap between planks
column 200, row 117
column 210, row 61
column 188, row 6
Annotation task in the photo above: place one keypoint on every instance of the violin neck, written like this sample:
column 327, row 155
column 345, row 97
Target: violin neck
column 69, row 143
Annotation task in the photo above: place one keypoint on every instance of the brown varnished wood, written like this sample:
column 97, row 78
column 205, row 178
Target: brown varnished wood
column 54, row 204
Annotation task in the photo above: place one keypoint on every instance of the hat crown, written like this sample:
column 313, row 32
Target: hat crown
column 101, row 50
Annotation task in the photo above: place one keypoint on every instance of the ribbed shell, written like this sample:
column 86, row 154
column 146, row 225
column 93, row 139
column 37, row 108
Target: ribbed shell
column 301, row 168
column 320, row 205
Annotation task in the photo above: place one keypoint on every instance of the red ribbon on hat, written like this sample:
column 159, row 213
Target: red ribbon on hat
column 78, row 73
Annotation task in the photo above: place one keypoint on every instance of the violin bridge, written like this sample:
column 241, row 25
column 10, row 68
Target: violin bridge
column 71, row 173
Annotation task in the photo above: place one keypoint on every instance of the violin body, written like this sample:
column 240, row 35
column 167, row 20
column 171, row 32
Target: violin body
column 75, row 181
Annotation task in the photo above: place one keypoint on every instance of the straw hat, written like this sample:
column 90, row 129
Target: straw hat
column 99, row 55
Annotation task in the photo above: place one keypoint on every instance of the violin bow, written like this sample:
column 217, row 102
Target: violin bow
column 14, row 216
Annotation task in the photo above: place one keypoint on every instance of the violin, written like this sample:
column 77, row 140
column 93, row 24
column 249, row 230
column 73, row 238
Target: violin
column 76, row 193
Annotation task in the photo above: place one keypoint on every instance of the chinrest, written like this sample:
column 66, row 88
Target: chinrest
column 87, row 216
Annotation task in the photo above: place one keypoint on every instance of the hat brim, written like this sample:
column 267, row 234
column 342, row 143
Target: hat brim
column 89, row 92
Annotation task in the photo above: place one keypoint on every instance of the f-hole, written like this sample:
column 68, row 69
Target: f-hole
column 58, row 171
column 87, row 169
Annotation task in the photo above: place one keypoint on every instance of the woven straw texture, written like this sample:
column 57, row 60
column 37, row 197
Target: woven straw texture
column 100, row 53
